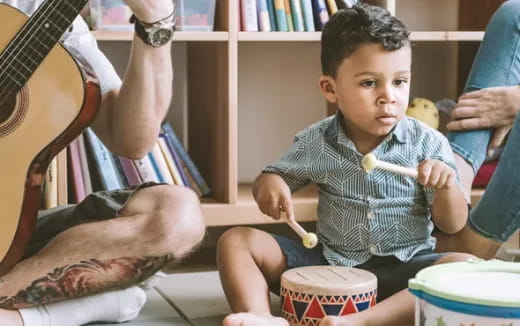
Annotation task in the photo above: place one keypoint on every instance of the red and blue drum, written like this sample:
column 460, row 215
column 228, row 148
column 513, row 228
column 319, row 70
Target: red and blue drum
column 310, row 293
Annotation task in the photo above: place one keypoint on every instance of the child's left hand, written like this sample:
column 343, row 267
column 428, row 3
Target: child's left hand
column 436, row 174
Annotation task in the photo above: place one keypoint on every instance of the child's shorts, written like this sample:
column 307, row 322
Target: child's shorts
column 392, row 274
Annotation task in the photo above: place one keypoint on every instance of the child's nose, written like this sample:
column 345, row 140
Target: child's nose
column 386, row 96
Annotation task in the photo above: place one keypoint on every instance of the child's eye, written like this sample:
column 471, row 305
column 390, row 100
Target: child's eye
column 399, row 82
column 368, row 83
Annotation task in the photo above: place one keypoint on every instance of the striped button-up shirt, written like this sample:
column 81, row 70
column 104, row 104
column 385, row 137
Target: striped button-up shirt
column 362, row 214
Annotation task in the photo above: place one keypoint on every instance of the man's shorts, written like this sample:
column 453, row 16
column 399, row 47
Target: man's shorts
column 392, row 274
column 99, row 206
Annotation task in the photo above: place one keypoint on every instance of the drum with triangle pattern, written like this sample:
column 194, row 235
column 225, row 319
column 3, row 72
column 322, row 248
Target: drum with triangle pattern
column 310, row 293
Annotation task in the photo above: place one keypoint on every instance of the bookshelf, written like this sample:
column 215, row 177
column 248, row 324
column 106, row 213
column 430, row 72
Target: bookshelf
column 238, row 95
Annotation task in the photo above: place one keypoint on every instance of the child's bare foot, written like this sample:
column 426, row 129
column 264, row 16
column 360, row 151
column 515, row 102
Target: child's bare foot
column 341, row 321
column 249, row 319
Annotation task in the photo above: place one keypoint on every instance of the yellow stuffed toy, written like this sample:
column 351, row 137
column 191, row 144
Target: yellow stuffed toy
column 425, row 111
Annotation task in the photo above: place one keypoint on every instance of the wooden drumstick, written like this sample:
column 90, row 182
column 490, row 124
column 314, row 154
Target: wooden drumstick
column 309, row 239
column 370, row 162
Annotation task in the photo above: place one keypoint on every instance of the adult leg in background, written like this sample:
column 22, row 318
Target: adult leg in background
column 495, row 218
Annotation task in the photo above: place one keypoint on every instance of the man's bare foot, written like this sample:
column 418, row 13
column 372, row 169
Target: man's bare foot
column 249, row 319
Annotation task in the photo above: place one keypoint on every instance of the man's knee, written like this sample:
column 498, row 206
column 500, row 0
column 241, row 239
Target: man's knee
column 175, row 216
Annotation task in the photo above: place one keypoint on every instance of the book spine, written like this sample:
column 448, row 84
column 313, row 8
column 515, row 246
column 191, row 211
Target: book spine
column 249, row 18
column 51, row 185
column 169, row 162
column 176, row 159
column 296, row 7
column 288, row 13
column 264, row 23
column 75, row 168
column 321, row 15
column 205, row 190
column 103, row 159
column 87, row 182
column 119, row 171
column 146, row 170
column 130, row 171
column 62, row 178
column 162, row 166
column 308, row 17
column 333, row 7
column 281, row 17
column 272, row 15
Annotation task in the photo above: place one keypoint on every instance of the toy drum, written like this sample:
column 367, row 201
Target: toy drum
column 476, row 292
column 310, row 293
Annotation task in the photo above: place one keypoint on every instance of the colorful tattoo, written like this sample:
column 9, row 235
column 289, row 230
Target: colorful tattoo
column 86, row 278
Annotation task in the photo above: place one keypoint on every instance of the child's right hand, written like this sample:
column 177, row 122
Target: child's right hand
column 273, row 196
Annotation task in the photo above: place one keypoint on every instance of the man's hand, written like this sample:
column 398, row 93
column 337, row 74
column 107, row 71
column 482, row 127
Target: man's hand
column 494, row 107
column 273, row 196
column 150, row 11
column 436, row 174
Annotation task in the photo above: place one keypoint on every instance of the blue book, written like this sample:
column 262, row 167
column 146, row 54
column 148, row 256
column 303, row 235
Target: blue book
column 297, row 14
column 176, row 158
column 156, row 168
column 192, row 168
column 308, row 18
column 264, row 22
column 104, row 161
column 281, row 17
column 272, row 19
column 321, row 14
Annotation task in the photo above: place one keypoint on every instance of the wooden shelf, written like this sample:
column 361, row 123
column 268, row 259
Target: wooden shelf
column 245, row 210
column 178, row 36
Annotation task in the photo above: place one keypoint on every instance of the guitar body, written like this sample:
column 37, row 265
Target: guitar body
column 56, row 104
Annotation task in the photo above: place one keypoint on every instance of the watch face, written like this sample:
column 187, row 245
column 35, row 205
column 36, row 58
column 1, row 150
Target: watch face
column 160, row 36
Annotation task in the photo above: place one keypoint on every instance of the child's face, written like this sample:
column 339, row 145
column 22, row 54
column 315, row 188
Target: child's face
column 371, row 89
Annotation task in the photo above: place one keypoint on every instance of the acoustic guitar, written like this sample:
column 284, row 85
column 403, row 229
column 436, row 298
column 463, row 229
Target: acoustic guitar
column 47, row 98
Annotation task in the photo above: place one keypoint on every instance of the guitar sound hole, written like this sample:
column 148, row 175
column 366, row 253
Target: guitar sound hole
column 7, row 106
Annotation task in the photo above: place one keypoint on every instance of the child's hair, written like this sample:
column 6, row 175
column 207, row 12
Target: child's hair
column 350, row 27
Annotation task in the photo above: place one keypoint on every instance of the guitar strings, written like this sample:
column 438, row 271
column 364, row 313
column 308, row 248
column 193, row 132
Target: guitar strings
column 12, row 56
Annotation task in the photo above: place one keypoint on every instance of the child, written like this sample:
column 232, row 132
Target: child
column 381, row 222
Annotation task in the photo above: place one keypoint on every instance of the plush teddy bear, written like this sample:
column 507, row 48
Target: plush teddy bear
column 424, row 110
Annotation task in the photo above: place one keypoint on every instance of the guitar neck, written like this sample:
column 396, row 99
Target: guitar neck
column 36, row 39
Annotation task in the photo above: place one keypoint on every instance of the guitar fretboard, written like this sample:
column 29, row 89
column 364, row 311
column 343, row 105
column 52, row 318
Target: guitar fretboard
column 34, row 41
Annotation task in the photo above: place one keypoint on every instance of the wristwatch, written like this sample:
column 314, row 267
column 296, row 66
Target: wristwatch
column 155, row 34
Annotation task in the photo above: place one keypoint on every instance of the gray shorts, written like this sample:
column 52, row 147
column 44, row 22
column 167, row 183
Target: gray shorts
column 99, row 206
column 392, row 274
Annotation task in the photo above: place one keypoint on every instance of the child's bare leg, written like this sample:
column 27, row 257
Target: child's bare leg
column 397, row 310
column 249, row 261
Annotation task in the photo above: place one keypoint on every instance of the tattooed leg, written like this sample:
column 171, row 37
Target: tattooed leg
column 85, row 278
column 158, row 225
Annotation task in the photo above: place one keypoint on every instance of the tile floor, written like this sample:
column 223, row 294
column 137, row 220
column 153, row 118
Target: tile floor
column 184, row 299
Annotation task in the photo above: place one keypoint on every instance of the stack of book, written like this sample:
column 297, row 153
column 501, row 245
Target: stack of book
column 87, row 166
column 288, row 15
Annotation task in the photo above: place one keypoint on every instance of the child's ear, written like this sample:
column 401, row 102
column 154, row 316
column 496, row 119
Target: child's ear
column 328, row 88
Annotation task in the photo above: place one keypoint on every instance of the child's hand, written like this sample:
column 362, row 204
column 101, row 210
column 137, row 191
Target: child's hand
column 436, row 174
column 273, row 196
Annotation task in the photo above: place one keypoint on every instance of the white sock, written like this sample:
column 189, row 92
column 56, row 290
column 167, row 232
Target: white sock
column 114, row 306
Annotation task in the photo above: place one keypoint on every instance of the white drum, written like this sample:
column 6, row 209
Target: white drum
column 472, row 293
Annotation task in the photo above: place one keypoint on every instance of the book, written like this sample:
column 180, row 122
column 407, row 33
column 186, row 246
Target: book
column 272, row 15
column 119, row 171
column 146, row 170
column 333, row 8
column 297, row 15
column 169, row 161
column 264, row 24
column 160, row 164
column 281, row 17
column 87, row 182
column 183, row 172
column 288, row 13
column 50, row 191
column 248, row 15
column 76, row 172
column 62, row 178
column 308, row 17
column 179, row 148
column 321, row 15
column 104, row 162
column 132, row 175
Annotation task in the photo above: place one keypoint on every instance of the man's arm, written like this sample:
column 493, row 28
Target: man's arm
column 129, row 119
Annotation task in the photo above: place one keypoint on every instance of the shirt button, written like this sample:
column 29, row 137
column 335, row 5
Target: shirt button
column 370, row 215
column 372, row 249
